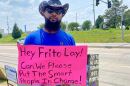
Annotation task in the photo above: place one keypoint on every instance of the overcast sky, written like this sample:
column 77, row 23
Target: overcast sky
column 25, row 12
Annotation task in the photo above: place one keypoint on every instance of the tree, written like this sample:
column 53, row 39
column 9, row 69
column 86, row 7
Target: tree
column 113, row 15
column 86, row 25
column 40, row 26
column 73, row 26
column 21, row 31
column 99, row 21
column 127, row 28
column 63, row 26
column 0, row 35
column 127, row 18
column 16, row 32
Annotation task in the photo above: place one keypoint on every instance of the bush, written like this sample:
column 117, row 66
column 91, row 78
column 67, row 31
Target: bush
column 127, row 28
column 73, row 26
column 16, row 32
column 86, row 25
column 0, row 35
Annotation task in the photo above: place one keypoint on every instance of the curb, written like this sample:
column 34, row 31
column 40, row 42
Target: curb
column 109, row 46
column 8, row 44
column 91, row 46
column 105, row 45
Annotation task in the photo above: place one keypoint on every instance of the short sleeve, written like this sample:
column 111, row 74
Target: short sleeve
column 72, row 41
column 28, row 40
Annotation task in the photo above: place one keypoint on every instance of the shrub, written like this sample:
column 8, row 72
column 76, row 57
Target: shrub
column 16, row 32
column 0, row 35
column 127, row 28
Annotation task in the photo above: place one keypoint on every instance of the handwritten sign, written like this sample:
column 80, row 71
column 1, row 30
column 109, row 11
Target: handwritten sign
column 11, row 73
column 52, row 64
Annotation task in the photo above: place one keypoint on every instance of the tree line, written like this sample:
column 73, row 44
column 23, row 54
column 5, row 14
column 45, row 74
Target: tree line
column 16, row 33
column 73, row 26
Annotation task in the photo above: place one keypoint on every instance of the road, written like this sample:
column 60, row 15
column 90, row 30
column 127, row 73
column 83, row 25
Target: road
column 114, row 63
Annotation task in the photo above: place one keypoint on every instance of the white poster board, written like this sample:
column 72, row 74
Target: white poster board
column 11, row 73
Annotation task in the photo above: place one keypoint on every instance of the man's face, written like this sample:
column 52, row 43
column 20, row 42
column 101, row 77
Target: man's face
column 53, row 15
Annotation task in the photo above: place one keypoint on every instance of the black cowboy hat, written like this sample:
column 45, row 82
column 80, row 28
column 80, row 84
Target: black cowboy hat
column 52, row 4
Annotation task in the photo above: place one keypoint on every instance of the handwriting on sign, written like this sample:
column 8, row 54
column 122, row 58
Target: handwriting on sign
column 42, row 52
column 51, row 64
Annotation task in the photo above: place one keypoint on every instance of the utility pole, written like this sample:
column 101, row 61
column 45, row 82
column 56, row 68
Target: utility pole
column 122, row 25
column 66, row 26
column 25, row 27
column 94, row 12
column 122, row 22
column 76, row 19
column 7, row 25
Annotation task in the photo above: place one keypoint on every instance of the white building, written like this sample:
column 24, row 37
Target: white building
column 2, row 31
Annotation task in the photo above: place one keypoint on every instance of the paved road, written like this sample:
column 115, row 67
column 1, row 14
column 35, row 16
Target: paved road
column 114, row 68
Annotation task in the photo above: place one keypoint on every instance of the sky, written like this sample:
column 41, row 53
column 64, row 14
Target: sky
column 25, row 12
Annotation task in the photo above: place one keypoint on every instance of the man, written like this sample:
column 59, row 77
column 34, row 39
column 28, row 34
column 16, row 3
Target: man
column 53, row 12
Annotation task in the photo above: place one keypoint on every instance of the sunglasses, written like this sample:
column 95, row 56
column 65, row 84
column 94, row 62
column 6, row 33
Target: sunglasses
column 57, row 11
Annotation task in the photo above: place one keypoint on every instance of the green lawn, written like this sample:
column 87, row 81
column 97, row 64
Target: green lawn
column 9, row 40
column 2, row 80
column 92, row 36
column 100, row 36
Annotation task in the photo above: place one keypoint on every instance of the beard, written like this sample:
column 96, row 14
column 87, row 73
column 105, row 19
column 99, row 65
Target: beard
column 52, row 26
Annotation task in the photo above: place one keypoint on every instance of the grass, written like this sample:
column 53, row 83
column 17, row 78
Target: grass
column 9, row 40
column 2, row 80
column 100, row 36
column 91, row 36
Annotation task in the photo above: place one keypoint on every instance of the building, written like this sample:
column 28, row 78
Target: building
column 2, row 31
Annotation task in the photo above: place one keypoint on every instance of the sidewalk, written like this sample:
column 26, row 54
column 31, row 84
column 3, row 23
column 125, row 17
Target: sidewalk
column 106, row 45
column 94, row 45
